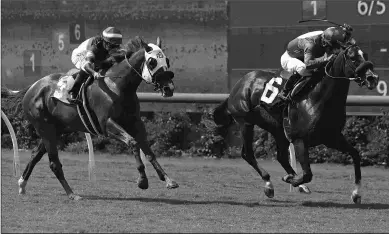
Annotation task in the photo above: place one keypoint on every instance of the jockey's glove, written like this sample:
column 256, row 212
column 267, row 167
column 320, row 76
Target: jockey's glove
column 347, row 28
column 330, row 58
column 97, row 75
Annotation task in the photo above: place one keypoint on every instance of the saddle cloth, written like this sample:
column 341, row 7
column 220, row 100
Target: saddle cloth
column 276, row 84
column 65, row 83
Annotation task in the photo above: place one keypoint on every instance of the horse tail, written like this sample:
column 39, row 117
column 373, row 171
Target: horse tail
column 12, row 99
column 221, row 117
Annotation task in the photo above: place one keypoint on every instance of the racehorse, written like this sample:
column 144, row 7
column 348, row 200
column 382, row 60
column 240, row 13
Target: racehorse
column 314, row 117
column 114, row 102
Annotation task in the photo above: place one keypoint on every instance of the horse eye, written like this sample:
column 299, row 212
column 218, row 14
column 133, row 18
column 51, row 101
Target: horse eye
column 152, row 63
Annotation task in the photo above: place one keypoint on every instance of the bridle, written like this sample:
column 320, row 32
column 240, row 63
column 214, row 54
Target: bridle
column 351, row 65
column 125, row 57
column 157, row 86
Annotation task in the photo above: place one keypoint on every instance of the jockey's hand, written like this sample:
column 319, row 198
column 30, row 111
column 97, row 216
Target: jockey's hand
column 97, row 75
column 347, row 28
column 330, row 58
column 117, row 51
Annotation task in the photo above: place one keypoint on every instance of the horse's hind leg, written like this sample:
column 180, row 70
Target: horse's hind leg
column 247, row 131
column 36, row 155
column 138, row 132
column 49, row 139
column 340, row 143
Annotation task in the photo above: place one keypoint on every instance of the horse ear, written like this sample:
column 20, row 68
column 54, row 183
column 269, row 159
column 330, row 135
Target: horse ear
column 159, row 42
column 146, row 46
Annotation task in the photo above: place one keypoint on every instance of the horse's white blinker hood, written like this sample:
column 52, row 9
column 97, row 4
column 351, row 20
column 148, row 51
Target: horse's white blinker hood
column 157, row 54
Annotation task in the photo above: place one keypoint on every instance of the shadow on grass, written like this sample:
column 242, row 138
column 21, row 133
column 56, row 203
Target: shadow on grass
column 371, row 206
column 276, row 203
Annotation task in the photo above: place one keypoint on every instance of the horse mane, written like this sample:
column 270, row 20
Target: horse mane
column 134, row 44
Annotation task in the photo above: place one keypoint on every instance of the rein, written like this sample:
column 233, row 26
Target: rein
column 125, row 56
column 132, row 67
column 352, row 66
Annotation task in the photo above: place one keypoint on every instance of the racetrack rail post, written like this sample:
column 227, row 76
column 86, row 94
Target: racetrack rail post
column 16, row 163
column 91, row 164
column 292, row 158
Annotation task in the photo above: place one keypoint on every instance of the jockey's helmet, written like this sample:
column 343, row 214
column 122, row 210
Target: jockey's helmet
column 113, row 36
column 334, row 37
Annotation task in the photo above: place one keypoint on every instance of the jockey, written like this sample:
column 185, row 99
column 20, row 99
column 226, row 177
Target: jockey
column 90, row 55
column 312, row 50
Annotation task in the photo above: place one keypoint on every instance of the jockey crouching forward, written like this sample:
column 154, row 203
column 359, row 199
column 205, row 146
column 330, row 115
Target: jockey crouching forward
column 91, row 54
column 310, row 51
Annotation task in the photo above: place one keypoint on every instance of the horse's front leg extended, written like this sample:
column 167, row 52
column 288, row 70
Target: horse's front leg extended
column 340, row 143
column 138, row 132
column 143, row 182
column 116, row 131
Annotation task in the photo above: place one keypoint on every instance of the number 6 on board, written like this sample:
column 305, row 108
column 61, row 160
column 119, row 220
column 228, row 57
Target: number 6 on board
column 77, row 32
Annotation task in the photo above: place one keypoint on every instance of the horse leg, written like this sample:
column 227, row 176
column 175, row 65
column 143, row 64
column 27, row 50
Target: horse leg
column 247, row 131
column 143, row 182
column 138, row 131
column 36, row 155
column 116, row 131
column 282, row 152
column 49, row 139
column 302, row 155
column 283, row 159
column 340, row 143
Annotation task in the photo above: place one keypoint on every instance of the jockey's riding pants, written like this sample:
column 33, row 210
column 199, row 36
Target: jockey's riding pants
column 292, row 65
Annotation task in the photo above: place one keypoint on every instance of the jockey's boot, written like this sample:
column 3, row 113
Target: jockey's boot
column 284, row 94
column 81, row 77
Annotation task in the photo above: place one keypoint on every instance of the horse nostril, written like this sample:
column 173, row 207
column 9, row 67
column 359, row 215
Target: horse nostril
column 370, row 78
column 166, row 89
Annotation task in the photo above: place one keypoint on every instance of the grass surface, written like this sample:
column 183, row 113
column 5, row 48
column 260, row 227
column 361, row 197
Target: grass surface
column 214, row 196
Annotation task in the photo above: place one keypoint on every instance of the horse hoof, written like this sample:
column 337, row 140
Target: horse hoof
column 304, row 189
column 143, row 183
column 356, row 198
column 269, row 192
column 22, row 191
column 287, row 178
column 74, row 197
column 172, row 185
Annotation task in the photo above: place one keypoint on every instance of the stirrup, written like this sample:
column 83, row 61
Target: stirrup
column 74, row 100
column 283, row 96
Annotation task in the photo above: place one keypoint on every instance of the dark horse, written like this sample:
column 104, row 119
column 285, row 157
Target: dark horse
column 114, row 102
column 315, row 117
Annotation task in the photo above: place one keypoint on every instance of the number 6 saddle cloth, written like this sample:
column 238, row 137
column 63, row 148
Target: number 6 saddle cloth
column 275, row 85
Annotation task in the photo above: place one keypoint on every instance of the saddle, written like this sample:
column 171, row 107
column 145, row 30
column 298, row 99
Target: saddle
column 87, row 116
column 303, row 85
column 275, row 85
